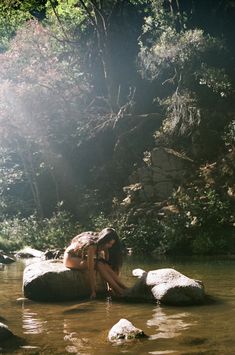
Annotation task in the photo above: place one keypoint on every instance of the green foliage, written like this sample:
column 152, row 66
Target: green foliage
column 143, row 237
column 188, row 62
column 67, row 19
column 13, row 15
column 52, row 73
column 39, row 97
column 183, row 114
column 54, row 232
column 202, row 224
column 99, row 222
column 229, row 134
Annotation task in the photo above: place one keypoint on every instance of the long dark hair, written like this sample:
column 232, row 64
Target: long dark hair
column 115, row 252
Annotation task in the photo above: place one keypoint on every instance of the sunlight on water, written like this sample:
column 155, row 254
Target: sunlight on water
column 169, row 326
column 163, row 352
column 32, row 325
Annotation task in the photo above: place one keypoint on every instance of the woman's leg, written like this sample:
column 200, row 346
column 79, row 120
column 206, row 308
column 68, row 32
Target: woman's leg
column 115, row 276
column 108, row 278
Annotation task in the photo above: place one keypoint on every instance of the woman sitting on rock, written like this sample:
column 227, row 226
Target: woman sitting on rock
column 97, row 252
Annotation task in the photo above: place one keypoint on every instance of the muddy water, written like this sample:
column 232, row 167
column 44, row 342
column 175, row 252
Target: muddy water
column 82, row 327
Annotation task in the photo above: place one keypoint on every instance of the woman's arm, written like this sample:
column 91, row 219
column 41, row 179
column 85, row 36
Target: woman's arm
column 106, row 254
column 91, row 270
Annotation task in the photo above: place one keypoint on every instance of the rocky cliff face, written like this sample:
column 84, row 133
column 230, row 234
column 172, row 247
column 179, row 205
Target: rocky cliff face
column 166, row 170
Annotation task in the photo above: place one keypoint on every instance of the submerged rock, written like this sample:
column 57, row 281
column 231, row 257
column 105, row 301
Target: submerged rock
column 167, row 286
column 6, row 259
column 5, row 332
column 50, row 280
column 124, row 330
column 9, row 342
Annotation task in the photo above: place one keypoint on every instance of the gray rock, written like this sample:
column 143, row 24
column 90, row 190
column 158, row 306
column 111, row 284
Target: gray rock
column 6, row 259
column 5, row 332
column 167, row 286
column 28, row 252
column 124, row 330
column 167, row 169
column 53, row 254
column 50, row 280
column 138, row 272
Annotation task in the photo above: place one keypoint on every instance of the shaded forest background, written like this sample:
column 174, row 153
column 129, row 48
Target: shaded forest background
column 95, row 97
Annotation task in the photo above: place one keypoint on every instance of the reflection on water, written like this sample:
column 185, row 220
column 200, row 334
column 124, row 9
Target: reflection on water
column 169, row 326
column 31, row 324
column 82, row 327
column 78, row 345
column 163, row 352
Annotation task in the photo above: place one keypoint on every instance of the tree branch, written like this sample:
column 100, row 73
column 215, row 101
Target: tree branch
column 88, row 13
column 59, row 21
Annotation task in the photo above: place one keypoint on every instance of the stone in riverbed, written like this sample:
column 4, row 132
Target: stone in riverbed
column 138, row 272
column 50, row 280
column 168, row 286
column 6, row 259
column 28, row 252
column 5, row 332
column 9, row 342
column 124, row 330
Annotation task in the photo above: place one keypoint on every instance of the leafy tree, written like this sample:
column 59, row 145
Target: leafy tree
column 39, row 99
column 14, row 14
column 106, row 33
column 181, row 59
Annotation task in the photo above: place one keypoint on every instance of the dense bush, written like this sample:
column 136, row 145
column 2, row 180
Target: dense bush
column 204, row 224
column 54, row 232
column 143, row 237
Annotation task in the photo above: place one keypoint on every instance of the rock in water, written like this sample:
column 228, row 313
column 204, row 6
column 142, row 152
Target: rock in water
column 50, row 280
column 138, row 272
column 6, row 259
column 124, row 330
column 167, row 286
column 5, row 332
column 28, row 252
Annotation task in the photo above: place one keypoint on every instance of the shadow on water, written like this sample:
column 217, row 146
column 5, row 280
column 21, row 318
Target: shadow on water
column 12, row 344
column 82, row 307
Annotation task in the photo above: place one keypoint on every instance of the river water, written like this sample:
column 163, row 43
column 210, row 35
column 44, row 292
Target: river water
column 82, row 327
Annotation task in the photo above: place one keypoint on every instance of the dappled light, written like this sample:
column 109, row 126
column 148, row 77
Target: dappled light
column 114, row 116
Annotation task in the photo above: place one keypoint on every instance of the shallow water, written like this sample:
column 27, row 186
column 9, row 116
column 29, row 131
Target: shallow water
column 82, row 327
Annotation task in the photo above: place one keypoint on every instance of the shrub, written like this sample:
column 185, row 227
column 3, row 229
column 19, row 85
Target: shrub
column 54, row 232
column 203, row 224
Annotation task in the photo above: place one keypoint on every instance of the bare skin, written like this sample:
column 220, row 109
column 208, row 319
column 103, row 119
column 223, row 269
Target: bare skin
column 105, row 270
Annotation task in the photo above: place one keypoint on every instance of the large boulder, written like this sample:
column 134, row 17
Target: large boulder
column 124, row 330
column 50, row 280
column 166, row 286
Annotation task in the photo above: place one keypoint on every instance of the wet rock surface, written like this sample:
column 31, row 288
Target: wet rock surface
column 124, row 330
column 50, row 280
